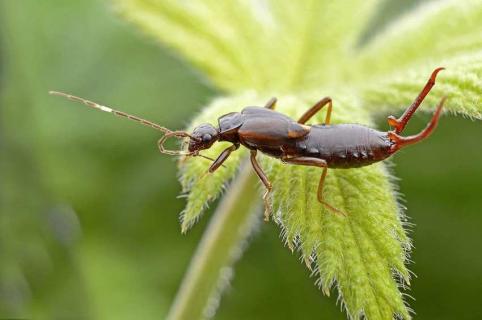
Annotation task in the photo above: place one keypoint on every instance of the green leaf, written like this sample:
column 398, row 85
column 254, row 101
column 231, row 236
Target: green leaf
column 292, row 49
column 345, row 252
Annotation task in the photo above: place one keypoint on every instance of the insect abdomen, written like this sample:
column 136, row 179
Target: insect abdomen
column 345, row 145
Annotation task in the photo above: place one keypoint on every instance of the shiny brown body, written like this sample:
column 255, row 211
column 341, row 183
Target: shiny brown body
column 274, row 134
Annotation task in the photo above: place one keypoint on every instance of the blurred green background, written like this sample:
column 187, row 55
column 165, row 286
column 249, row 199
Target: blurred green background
column 89, row 209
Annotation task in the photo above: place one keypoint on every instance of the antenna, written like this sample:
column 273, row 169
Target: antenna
column 167, row 133
column 110, row 110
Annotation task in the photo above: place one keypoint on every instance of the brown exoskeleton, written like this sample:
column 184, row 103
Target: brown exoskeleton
column 275, row 134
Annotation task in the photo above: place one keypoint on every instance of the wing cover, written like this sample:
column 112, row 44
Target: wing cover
column 230, row 122
column 265, row 127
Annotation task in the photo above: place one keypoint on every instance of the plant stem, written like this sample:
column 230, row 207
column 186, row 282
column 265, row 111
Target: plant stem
column 220, row 246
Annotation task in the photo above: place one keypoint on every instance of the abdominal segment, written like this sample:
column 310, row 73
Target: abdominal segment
column 345, row 145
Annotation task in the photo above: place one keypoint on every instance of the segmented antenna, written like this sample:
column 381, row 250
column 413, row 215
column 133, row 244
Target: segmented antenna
column 110, row 110
column 167, row 133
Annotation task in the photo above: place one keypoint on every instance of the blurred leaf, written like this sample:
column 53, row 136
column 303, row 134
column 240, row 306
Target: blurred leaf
column 461, row 83
column 53, row 153
column 438, row 33
column 434, row 31
column 266, row 45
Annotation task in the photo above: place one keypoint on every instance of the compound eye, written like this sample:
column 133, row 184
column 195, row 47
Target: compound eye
column 206, row 137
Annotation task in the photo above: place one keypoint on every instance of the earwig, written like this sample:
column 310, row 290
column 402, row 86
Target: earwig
column 340, row 146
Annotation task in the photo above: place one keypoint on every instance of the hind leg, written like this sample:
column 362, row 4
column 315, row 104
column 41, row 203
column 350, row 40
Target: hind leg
column 317, row 107
column 320, row 194
column 400, row 123
column 308, row 161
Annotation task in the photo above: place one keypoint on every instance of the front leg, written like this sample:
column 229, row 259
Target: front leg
column 309, row 161
column 262, row 176
column 222, row 157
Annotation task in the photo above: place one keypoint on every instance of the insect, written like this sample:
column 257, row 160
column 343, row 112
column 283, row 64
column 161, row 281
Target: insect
column 293, row 141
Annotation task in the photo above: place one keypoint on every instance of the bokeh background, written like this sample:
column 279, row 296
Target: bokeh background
column 89, row 209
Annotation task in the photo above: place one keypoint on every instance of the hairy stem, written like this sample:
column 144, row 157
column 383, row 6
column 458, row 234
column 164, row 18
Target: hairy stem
column 220, row 246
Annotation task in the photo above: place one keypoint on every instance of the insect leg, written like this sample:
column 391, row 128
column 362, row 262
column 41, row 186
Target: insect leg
column 317, row 107
column 262, row 176
column 308, row 161
column 400, row 123
column 271, row 103
column 320, row 193
column 222, row 157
